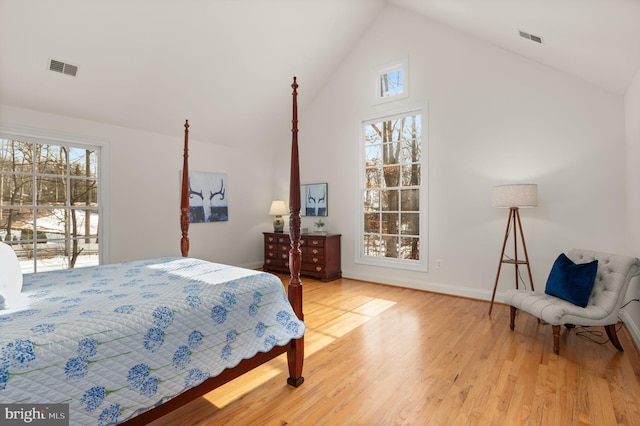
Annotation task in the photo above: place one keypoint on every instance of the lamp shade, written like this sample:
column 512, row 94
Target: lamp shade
column 516, row 195
column 278, row 208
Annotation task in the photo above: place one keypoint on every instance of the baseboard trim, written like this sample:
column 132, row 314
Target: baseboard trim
column 471, row 293
column 632, row 327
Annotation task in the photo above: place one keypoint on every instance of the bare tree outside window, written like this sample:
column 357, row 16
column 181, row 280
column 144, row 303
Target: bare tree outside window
column 392, row 188
column 49, row 204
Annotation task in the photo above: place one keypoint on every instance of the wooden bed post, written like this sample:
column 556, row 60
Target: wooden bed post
column 184, row 199
column 295, row 355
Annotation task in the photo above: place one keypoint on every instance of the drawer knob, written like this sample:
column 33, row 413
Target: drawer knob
column 284, row 256
column 315, row 251
column 315, row 260
column 315, row 242
column 268, row 261
column 319, row 268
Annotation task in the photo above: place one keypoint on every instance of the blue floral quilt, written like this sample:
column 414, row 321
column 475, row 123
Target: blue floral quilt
column 115, row 340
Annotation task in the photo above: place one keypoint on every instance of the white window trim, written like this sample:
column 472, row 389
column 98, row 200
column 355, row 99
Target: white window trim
column 421, row 265
column 32, row 134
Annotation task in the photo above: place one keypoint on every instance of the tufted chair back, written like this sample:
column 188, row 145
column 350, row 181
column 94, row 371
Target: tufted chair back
column 612, row 279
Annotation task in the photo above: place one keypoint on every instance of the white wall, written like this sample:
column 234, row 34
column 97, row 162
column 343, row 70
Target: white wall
column 631, row 313
column 144, row 197
column 493, row 118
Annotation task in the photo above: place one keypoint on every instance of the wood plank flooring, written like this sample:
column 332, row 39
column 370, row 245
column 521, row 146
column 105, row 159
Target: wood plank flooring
column 382, row 355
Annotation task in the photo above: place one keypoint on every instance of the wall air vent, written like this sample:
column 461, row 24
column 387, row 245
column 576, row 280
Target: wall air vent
column 531, row 37
column 63, row 68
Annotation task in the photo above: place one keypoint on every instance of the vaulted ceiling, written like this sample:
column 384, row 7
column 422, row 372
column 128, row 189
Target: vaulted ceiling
column 148, row 64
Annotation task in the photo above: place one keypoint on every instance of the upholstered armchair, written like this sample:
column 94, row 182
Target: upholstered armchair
column 614, row 273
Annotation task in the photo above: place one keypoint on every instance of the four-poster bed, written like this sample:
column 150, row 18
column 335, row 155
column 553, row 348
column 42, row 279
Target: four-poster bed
column 127, row 343
column 295, row 348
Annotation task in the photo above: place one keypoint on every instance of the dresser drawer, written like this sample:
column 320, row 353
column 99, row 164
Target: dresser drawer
column 276, row 264
column 313, row 242
column 313, row 251
column 312, row 269
column 312, row 259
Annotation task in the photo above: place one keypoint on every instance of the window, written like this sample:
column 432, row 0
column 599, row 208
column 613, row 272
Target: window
column 49, row 202
column 393, row 210
column 391, row 82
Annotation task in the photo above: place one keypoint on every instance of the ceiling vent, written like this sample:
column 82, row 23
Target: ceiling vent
column 63, row 68
column 530, row 37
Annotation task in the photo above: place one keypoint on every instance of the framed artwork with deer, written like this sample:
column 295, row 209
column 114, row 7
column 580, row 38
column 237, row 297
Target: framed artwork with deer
column 208, row 197
column 314, row 199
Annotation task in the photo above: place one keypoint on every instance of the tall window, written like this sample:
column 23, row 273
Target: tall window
column 393, row 219
column 49, row 210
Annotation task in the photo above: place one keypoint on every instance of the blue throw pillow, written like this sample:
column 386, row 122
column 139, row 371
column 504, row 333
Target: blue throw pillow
column 571, row 281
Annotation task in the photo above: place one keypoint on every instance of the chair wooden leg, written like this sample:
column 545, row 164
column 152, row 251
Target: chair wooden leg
column 613, row 336
column 556, row 339
column 512, row 315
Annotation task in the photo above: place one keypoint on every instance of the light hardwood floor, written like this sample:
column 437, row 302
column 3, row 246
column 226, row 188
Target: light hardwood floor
column 383, row 355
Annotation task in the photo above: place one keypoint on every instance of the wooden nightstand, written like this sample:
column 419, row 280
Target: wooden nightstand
column 320, row 254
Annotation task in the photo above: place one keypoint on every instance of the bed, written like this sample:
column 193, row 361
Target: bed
column 127, row 343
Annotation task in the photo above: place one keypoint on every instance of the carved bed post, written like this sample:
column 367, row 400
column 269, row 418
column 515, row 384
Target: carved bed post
column 295, row 355
column 184, row 199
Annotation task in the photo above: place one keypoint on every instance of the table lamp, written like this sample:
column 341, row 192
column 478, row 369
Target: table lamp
column 278, row 208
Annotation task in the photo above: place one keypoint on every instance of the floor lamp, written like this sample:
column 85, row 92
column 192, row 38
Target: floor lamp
column 513, row 197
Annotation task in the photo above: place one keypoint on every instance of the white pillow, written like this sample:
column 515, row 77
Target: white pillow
column 10, row 275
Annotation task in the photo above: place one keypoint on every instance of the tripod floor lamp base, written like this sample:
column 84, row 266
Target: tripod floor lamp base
column 513, row 196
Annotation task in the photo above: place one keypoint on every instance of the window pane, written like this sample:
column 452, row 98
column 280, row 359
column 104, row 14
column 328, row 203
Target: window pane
column 374, row 177
column 390, row 246
column 410, row 223
column 87, row 253
column 372, row 245
column 15, row 156
column 390, row 223
column 410, row 200
column 17, row 190
column 51, row 159
column 53, row 222
column 371, row 201
column 374, row 155
column 391, row 176
column 86, row 224
column 410, row 248
column 391, row 83
column 411, row 175
column 55, row 255
column 410, row 152
column 51, row 191
column 84, row 192
column 372, row 223
column 12, row 221
column 390, row 200
column 372, row 134
column 83, row 162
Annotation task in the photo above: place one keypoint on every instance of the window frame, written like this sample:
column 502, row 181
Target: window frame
column 407, row 264
column 46, row 136
column 402, row 65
